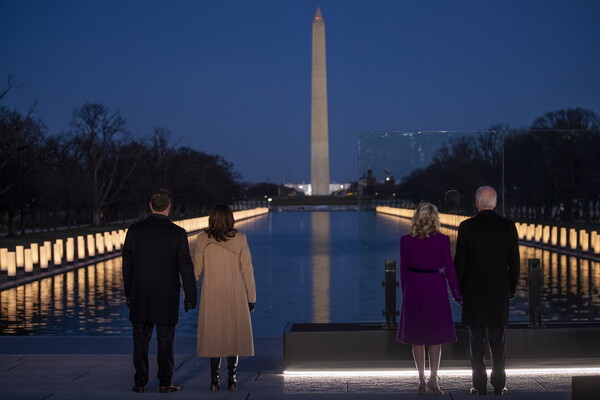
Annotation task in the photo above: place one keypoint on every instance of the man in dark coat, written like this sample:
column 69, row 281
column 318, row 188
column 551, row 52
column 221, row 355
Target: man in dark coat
column 156, row 256
column 487, row 264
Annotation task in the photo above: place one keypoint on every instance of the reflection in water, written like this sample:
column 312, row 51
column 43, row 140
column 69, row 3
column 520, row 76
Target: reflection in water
column 84, row 301
column 320, row 236
column 309, row 267
column 570, row 284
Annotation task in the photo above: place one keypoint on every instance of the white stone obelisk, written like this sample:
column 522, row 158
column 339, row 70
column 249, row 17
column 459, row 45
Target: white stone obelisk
column 319, row 126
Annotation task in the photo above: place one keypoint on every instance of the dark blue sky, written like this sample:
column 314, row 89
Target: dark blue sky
column 233, row 77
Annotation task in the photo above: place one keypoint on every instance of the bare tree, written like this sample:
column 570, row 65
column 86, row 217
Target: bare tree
column 9, row 85
column 567, row 119
column 98, row 137
column 21, row 157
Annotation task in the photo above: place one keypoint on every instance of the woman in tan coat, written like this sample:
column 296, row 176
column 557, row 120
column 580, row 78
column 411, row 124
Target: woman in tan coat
column 222, row 258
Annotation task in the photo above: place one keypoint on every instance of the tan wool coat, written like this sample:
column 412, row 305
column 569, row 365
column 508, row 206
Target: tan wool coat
column 224, row 325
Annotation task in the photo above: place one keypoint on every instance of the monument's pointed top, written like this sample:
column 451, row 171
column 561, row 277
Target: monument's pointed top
column 318, row 15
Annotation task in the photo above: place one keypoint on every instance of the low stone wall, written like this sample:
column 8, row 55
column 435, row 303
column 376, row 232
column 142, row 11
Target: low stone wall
column 356, row 345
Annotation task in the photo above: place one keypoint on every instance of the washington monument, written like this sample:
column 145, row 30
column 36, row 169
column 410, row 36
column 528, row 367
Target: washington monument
column 319, row 127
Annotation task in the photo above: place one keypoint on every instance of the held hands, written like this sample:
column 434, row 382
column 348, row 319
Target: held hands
column 128, row 302
column 189, row 305
column 458, row 301
column 251, row 306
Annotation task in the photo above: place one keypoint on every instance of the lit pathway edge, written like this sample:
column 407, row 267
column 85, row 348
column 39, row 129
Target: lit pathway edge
column 17, row 268
column 579, row 242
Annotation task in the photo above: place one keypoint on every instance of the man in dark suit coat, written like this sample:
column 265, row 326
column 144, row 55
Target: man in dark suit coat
column 487, row 264
column 156, row 255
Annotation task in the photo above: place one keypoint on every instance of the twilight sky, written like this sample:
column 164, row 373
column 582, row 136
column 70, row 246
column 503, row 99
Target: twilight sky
column 232, row 77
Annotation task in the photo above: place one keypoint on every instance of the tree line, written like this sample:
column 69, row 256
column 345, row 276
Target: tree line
column 549, row 171
column 98, row 172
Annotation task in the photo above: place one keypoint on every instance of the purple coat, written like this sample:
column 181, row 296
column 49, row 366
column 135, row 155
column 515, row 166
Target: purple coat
column 425, row 266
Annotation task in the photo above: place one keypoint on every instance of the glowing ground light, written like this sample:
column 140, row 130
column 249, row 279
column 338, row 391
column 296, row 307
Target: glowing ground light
column 455, row 372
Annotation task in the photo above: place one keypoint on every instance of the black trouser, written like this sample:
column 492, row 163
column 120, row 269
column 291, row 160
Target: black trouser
column 477, row 339
column 142, row 332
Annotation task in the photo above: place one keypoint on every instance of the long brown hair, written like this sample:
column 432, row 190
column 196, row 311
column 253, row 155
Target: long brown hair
column 220, row 223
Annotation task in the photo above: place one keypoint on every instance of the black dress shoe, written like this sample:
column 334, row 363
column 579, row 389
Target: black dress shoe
column 500, row 392
column 169, row 389
column 139, row 389
column 476, row 392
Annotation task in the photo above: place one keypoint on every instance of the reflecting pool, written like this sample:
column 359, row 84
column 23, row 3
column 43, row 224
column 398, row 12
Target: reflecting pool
column 309, row 267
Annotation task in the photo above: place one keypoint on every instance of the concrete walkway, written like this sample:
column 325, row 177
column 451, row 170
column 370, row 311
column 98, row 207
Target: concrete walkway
column 100, row 367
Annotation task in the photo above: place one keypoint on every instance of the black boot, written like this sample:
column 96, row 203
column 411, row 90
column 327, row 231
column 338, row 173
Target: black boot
column 215, row 363
column 232, row 368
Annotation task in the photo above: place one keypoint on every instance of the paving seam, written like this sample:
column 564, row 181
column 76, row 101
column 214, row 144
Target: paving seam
column 180, row 365
column 81, row 376
column 16, row 366
column 541, row 384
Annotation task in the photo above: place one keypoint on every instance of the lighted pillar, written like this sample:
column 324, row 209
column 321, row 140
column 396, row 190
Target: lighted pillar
column 595, row 242
column 80, row 247
column 319, row 125
column 546, row 234
column 584, row 240
column 43, row 258
column 108, row 242
column 530, row 231
column 116, row 240
column 91, row 246
column 521, row 230
column 554, row 236
column 538, row 233
column 48, row 246
column 573, row 238
column 28, row 263
column 3, row 259
column 563, row 237
column 35, row 253
column 20, row 256
column 100, row 243
column 11, row 265
column 57, row 254
column 60, row 245
column 70, row 253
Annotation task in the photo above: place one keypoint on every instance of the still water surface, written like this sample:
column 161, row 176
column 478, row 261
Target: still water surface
column 309, row 267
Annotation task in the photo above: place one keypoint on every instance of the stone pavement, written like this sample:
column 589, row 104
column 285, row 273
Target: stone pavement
column 100, row 367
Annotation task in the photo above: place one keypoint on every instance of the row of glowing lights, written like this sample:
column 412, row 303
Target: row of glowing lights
column 453, row 372
column 569, row 238
column 107, row 242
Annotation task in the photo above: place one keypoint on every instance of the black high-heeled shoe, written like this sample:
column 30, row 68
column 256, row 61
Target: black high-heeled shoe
column 215, row 364
column 232, row 368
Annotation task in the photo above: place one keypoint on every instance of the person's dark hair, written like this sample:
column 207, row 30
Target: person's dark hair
column 160, row 200
column 220, row 223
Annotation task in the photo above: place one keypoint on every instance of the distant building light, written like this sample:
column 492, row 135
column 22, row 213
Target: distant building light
column 269, row 199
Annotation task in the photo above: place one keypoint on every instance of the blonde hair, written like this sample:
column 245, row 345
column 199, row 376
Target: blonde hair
column 426, row 221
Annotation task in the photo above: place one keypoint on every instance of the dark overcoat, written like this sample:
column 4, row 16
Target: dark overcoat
column 487, row 265
column 155, row 255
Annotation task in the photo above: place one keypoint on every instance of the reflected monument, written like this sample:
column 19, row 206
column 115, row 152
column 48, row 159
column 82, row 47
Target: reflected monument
column 321, row 231
column 319, row 127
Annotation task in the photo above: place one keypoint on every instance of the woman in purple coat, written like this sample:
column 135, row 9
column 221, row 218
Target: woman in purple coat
column 425, row 319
